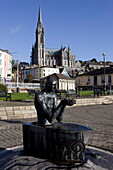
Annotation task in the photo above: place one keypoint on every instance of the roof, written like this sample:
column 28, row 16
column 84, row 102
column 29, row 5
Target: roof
column 51, row 51
column 4, row 50
column 108, row 70
column 59, row 76
column 56, row 52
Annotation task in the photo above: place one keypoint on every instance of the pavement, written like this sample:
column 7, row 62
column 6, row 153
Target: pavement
column 97, row 117
column 16, row 103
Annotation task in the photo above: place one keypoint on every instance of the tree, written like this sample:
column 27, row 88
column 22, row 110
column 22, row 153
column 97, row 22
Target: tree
column 3, row 88
column 93, row 60
column 30, row 78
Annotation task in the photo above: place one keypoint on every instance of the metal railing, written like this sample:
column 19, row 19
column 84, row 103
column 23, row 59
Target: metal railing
column 26, row 85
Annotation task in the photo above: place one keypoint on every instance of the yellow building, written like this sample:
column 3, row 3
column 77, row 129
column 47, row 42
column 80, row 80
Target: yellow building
column 99, row 77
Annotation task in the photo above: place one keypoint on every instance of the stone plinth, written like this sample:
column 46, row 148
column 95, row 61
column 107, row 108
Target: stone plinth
column 60, row 142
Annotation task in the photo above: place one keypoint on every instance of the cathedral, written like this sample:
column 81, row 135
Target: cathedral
column 49, row 57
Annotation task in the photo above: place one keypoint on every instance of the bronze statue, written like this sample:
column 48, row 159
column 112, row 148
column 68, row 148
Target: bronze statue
column 46, row 104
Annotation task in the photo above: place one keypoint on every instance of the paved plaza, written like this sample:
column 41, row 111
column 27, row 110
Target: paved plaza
column 97, row 117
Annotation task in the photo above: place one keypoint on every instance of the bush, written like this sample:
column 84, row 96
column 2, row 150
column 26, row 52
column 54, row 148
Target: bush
column 3, row 88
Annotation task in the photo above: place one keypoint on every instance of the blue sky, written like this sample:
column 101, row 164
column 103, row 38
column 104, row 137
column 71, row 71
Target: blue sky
column 85, row 25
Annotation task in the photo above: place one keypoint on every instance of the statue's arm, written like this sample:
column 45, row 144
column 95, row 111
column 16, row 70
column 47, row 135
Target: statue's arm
column 58, row 112
column 41, row 107
column 59, row 109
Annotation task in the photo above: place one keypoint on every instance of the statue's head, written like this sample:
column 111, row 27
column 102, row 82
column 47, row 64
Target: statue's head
column 50, row 84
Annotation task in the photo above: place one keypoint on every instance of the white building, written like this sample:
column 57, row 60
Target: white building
column 38, row 72
column 5, row 66
column 46, row 71
column 63, row 82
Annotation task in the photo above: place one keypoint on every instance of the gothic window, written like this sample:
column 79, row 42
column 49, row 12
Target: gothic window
column 49, row 63
column 64, row 62
column 65, row 55
column 41, row 38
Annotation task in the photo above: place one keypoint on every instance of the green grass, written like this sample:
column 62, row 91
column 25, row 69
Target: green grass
column 24, row 96
column 82, row 93
column 19, row 96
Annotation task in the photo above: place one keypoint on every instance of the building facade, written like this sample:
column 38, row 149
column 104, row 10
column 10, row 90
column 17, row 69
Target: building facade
column 5, row 66
column 98, row 77
column 49, row 57
column 37, row 72
column 62, row 82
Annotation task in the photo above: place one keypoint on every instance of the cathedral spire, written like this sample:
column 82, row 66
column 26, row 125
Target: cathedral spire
column 40, row 16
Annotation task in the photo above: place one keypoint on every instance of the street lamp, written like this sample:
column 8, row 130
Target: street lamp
column 17, row 76
column 104, row 54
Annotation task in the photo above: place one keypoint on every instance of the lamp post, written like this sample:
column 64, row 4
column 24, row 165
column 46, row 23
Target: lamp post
column 104, row 54
column 17, row 76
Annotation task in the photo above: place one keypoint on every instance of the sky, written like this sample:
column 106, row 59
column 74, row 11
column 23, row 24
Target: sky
column 84, row 25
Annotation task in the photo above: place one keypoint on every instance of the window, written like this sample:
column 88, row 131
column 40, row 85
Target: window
column 87, row 80
column 0, row 54
column 64, row 62
column 95, row 80
column 102, row 79
column 109, row 79
column 0, row 71
column 41, row 38
column 0, row 62
column 79, row 81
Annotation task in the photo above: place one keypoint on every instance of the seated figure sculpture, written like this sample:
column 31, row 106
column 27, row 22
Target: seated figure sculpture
column 46, row 104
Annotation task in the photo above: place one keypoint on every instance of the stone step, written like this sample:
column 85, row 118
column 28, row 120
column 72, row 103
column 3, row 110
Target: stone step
column 16, row 112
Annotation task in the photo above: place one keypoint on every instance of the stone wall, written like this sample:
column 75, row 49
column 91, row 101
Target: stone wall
column 17, row 112
column 20, row 112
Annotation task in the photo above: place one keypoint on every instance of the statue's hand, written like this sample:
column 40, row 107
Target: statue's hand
column 71, row 102
column 68, row 102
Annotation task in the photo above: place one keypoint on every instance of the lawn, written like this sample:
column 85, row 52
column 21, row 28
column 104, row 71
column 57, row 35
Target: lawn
column 24, row 96
column 87, row 93
column 19, row 96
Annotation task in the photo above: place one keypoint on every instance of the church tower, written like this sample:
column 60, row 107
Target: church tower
column 38, row 50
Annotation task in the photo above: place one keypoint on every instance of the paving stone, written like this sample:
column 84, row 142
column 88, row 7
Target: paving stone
column 98, row 117
column 3, row 117
column 17, row 112
column 2, row 109
column 8, row 108
column 10, row 112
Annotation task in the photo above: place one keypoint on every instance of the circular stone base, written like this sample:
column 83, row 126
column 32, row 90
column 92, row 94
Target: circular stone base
column 15, row 159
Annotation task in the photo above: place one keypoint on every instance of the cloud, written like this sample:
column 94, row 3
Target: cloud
column 15, row 30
